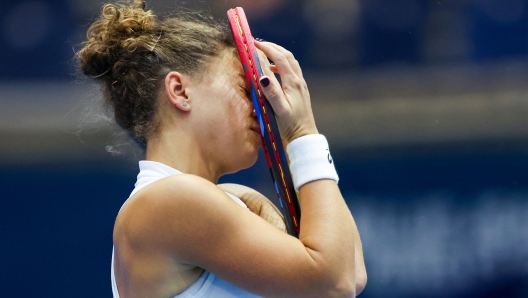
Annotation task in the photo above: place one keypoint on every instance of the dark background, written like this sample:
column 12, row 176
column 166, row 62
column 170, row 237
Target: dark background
column 424, row 104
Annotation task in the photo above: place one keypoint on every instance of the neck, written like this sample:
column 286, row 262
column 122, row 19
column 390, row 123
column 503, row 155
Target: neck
column 182, row 152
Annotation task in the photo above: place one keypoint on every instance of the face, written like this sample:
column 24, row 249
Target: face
column 224, row 113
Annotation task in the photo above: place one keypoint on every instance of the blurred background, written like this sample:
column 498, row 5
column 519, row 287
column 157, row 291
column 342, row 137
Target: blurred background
column 424, row 103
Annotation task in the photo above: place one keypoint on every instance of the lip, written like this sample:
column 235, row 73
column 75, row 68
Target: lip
column 256, row 129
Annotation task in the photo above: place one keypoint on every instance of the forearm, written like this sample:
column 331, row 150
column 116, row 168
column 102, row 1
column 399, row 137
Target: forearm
column 327, row 229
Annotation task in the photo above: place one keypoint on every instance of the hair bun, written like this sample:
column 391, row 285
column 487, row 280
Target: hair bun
column 120, row 28
column 130, row 51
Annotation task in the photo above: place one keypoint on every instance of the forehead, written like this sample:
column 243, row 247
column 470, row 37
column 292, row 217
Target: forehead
column 226, row 66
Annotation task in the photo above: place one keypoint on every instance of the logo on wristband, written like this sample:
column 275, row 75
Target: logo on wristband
column 330, row 160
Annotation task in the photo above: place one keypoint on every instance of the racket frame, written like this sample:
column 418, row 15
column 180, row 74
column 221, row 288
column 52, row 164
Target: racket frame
column 270, row 135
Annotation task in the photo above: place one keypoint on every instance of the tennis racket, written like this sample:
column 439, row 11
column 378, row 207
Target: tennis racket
column 270, row 136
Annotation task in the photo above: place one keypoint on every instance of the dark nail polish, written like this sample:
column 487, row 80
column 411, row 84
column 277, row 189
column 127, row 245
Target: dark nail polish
column 265, row 82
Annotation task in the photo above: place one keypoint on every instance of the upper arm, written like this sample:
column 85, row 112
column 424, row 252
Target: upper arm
column 199, row 224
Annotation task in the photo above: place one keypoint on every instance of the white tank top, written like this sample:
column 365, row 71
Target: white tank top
column 208, row 284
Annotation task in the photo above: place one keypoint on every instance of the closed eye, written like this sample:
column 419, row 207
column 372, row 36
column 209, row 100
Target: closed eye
column 242, row 84
column 246, row 91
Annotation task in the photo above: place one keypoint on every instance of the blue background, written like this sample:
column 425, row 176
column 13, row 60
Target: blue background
column 57, row 216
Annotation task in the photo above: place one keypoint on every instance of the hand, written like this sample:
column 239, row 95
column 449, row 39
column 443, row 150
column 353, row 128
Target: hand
column 291, row 102
column 257, row 203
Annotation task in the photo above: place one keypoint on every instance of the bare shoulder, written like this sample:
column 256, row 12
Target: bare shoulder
column 172, row 206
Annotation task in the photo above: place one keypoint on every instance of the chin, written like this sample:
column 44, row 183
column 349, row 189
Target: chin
column 244, row 161
column 254, row 158
column 250, row 159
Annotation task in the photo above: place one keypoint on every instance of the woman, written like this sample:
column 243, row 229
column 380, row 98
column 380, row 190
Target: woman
column 177, row 86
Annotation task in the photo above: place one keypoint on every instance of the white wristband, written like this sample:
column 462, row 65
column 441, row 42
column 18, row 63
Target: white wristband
column 310, row 160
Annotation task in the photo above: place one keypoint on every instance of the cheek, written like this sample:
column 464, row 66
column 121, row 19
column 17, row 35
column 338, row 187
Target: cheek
column 229, row 109
column 239, row 108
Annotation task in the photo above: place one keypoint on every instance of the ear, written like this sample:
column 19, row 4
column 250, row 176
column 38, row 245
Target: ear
column 175, row 88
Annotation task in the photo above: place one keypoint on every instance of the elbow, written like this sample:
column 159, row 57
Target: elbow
column 361, row 283
column 341, row 285
column 337, row 281
column 361, row 277
column 342, row 289
column 349, row 286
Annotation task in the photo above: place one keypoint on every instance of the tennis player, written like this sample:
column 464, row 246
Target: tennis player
column 176, row 85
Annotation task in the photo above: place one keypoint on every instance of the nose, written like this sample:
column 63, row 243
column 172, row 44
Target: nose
column 254, row 113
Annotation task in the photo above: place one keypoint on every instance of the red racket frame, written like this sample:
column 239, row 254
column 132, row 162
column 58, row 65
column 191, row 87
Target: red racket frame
column 270, row 136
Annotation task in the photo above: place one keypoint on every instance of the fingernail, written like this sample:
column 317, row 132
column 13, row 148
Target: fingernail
column 259, row 39
column 265, row 82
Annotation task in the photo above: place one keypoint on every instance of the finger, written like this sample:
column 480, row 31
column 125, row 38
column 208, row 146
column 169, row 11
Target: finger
column 273, row 92
column 280, row 60
column 268, row 69
column 265, row 64
column 291, row 58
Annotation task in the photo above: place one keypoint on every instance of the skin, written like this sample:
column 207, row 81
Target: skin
column 173, row 229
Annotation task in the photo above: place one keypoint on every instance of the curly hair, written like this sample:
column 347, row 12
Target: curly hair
column 130, row 51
